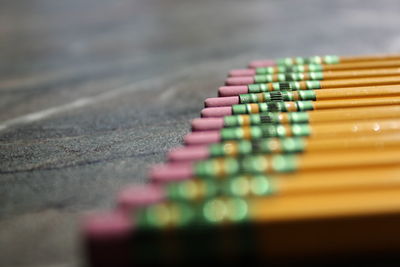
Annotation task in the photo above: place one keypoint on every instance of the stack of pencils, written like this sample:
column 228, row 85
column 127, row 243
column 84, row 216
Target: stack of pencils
column 297, row 159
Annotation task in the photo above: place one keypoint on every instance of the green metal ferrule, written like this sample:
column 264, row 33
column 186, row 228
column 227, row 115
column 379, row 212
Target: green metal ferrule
column 266, row 70
column 244, row 147
column 286, row 86
column 219, row 150
column 254, row 164
column 283, row 69
column 307, row 95
column 231, row 121
column 183, row 214
column 314, row 60
column 286, row 61
column 192, row 189
column 301, row 130
column 298, row 117
column 167, row 214
column 236, row 186
column 225, row 210
column 216, row 167
column 231, row 134
column 262, row 107
column 255, row 119
column 293, row 76
column 265, row 145
column 249, row 185
column 263, row 118
column 313, row 85
column 281, row 77
column 300, row 60
column 266, row 118
column 331, row 59
column 292, row 145
column 239, row 109
column 316, row 75
column 262, row 164
column 284, row 163
column 304, row 105
column 296, row 68
column 248, row 98
column 268, row 97
column 260, row 146
column 269, row 130
column 216, row 150
column 315, row 68
column 255, row 132
column 286, row 96
column 273, row 107
column 263, row 78
column 257, row 88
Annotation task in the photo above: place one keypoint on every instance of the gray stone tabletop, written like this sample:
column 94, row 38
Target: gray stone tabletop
column 93, row 92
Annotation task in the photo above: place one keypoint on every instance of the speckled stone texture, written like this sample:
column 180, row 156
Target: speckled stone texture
column 93, row 92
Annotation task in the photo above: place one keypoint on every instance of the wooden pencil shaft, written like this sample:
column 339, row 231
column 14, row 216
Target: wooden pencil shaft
column 381, row 141
column 356, row 102
column 351, row 74
column 358, row 92
column 378, row 57
column 358, row 113
column 371, row 171
column 342, row 204
column 322, row 224
column 340, row 183
column 351, row 159
column 362, row 65
column 356, row 82
column 357, row 128
column 320, row 116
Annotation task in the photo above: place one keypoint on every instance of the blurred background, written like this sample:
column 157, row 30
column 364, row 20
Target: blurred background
column 94, row 91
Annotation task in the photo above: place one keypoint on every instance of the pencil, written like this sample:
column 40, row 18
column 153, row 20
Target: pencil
column 295, row 106
column 258, row 229
column 284, row 145
column 267, row 164
column 328, row 59
column 278, row 185
column 317, row 116
column 329, row 67
column 307, row 85
column 320, row 130
column 248, row 76
column 314, row 95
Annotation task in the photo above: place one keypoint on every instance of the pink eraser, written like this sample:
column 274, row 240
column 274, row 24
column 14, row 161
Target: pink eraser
column 232, row 90
column 261, row 63
column 239, row 80
column 242, row 72
column 107, row 239
column 139, row 195
column 206, row 124
column 104, row 226
column 202, row 138
column 221, row 101
column 189, row 153
column 171, row 172
column 216, row 112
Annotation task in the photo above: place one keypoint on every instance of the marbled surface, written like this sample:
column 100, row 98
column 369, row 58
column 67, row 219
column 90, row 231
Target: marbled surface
column 92, row 92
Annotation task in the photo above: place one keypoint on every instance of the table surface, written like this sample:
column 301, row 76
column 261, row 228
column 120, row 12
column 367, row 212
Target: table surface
column 93, row 92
